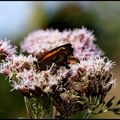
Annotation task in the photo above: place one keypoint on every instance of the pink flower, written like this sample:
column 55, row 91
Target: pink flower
column 15, row 64
column 41, row 41
column 71, row 86
column 82, row 42
column 6, row 49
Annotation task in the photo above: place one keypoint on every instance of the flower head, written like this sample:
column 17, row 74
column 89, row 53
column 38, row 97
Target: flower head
column 82, row 42
column 6, row 49
column 77, row 81
column 16, row 64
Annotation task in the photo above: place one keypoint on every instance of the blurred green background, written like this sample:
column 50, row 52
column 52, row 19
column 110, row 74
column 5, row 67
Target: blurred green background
column 17, row 19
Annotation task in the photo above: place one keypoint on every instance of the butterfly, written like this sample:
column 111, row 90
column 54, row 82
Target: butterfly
column 58, row 55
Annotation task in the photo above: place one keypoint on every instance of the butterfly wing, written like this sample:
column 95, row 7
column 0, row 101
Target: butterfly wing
column 58, row 55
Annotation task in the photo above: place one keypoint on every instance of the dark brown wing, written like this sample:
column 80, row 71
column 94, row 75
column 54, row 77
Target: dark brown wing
column 58, row 55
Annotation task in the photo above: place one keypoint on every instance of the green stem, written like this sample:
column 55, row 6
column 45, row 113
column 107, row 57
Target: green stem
column 36, row 113
column 27, row 108
column 86, row 115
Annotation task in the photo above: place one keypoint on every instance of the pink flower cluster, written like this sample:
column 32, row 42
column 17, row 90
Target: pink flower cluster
column 86, row 79
column 82, row 42
column 6, row 49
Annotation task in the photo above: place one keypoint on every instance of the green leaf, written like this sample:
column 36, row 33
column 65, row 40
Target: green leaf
column 110, row 103
column 116, row 111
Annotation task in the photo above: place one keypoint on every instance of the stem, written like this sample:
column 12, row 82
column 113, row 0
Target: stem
column 36, row 113
column 27, row 108
column 56, row 114
column 86, row 115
